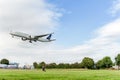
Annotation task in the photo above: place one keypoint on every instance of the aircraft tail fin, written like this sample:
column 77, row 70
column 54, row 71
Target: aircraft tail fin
column 49, row 37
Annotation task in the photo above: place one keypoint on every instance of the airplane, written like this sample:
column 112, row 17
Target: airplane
column 40, row 38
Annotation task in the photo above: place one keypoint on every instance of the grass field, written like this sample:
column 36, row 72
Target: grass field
column 59, row 74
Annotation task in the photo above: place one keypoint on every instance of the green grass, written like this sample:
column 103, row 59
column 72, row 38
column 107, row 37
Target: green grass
column 59, row 74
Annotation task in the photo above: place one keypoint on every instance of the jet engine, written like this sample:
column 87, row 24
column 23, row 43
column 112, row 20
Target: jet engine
column 24, row 39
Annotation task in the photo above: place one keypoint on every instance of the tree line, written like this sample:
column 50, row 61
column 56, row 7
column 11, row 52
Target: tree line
column 87, row 63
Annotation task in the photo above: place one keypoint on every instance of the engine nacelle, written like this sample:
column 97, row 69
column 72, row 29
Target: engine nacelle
column 24, row 39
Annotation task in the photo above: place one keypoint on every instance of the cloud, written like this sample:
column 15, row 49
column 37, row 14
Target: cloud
column 115, row 8
column 29, row 16
column 106, row 43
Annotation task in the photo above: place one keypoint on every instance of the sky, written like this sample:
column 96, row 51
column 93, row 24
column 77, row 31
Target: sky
column 83, row 28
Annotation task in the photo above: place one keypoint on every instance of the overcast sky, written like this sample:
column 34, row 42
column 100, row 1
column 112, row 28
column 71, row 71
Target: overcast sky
column 83, row 28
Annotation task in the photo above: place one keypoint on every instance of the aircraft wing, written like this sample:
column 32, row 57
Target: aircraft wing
column 39, row 36
column 19, row 34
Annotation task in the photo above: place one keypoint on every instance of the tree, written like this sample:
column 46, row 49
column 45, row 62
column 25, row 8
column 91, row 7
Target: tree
column 107, row 62
column 35, row 65
column 75, row 65
column 41, row 64
column 99, row 64
column 61, row 65
column 88, row 63
column 117, row 60
column 81, row 65
column 4, row 61
column 66, row 65
column 51, row 65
